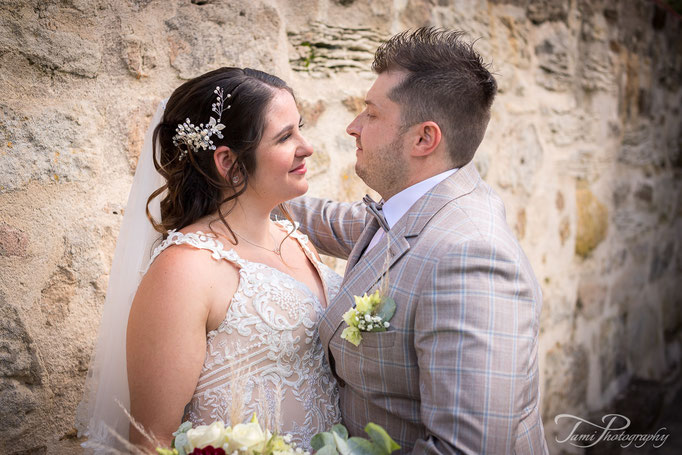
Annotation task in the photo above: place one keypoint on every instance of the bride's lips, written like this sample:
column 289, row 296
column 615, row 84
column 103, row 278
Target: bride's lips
column 299, row 170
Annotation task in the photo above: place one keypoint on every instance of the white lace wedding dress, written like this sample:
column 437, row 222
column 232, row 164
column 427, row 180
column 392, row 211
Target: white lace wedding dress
column 267, row 348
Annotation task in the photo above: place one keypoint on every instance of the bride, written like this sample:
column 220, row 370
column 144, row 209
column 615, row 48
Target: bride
column 227, row 310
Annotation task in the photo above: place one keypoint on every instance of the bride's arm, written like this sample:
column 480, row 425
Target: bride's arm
column 166, row 340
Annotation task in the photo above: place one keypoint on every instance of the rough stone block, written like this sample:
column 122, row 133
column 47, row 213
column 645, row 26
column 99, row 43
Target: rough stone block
column 645, row 194
column 612, row 351
column 513, row 41
column 671, row 308
column 16, row 401
column 57, row 295
column 324, row 49
column 482, row 161
column 318, row 163
column 18, row 357
column 595, row 67
column 352, row 188
column 547, row 10
column 591, row 297
column 520, row 226
column 593, row 221
column 522, row 155
column 616, row 260
column 13, row 242
column 53, row 50
column 568, row 128
column 555, row 61
column 662, row 256
column 621, row 191
column 564, row 230
column 646, row 351
column 137, row 121
column 637, row 146
column 634, row 224
column 139, row 56
column 37, row 450
column 202, row 39
column 354, row 104
column 560, row 201
column 49, row 147
column 311, row 112
column 566, row 372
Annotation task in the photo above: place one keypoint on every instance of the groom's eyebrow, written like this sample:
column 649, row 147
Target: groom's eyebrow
column 370, row 103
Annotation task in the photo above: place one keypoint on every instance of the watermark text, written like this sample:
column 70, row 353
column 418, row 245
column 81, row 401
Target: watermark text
column 588, row 434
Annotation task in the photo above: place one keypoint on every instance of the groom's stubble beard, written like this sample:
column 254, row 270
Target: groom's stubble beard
column 385, row 170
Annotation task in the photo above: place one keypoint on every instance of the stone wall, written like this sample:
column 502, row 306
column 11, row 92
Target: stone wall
column 585, row 147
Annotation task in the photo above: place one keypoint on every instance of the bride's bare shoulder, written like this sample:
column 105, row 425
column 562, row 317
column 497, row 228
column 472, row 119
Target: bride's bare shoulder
column 189, row 260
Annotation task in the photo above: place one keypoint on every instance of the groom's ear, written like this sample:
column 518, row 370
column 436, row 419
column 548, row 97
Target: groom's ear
column 427, row 138
column 223, row 159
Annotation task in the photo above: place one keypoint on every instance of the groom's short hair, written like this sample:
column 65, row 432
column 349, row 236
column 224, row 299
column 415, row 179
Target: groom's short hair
column 447, row 82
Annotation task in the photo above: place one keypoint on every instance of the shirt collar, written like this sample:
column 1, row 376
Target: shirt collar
column 399, row 204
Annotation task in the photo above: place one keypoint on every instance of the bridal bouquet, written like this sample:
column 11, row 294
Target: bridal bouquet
column 217, row 439
column 251, row 439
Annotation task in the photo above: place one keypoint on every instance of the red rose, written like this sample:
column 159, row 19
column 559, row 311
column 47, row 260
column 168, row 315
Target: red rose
column 208, row 450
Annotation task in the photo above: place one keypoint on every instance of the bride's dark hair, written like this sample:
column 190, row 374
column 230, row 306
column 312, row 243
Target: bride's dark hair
column 194, row 188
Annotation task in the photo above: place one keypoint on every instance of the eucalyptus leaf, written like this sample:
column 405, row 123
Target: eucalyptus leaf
column 359, row 446
column 183, row 428
column 340, row 430
column 381, row 438
column 341, row 444
column 327, row 450
column 387, row 309
column 181, row 443
column 321, row 440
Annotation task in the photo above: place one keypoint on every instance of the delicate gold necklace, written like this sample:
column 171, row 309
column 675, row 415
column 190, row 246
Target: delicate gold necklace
column 275, row 250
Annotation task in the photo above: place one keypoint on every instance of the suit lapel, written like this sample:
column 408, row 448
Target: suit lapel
column 340, row 304
column 363, row 272
column 367, row 234
column 367, row 272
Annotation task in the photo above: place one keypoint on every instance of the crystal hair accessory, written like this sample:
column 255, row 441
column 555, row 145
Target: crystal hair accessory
column 198, row 138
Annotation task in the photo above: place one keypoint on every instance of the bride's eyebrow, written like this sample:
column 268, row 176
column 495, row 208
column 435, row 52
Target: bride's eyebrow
column 288, row 128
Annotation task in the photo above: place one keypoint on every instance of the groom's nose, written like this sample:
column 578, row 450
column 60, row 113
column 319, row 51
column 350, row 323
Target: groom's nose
column 355, row 128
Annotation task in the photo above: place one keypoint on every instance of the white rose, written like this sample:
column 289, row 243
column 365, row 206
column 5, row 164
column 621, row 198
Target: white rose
column 246, row 436
column 207, row 435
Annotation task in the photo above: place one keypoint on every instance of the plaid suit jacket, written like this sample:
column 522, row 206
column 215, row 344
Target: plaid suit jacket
column 457, row 371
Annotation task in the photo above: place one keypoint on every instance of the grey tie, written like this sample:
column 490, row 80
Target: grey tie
column 375, row 209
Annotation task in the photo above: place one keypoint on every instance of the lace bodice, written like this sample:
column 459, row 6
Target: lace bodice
column 266, row 354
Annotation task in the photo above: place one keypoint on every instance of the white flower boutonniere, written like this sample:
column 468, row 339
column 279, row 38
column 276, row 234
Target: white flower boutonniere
column 370, row 314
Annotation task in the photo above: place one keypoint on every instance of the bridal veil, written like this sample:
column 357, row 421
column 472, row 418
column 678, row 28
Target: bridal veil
column 99, row 415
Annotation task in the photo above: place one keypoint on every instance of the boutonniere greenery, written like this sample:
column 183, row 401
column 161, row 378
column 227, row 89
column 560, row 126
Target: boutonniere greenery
column 371, row 313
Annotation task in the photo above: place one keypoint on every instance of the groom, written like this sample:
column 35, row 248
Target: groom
column 457, row 370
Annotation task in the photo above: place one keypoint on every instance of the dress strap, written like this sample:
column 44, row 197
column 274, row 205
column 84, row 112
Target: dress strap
column 299, row 236
column 200, row 241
